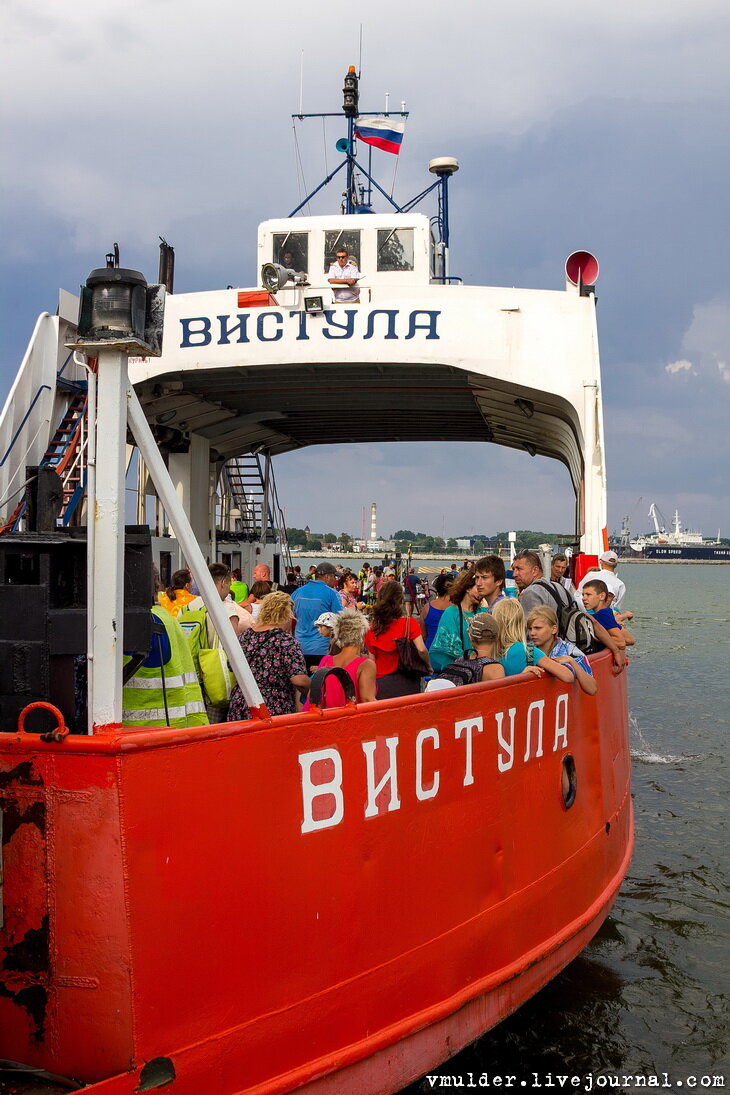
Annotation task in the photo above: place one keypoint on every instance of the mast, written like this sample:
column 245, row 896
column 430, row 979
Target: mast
column 350, row 104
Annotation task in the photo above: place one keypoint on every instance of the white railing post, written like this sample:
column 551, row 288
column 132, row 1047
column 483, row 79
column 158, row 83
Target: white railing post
column 106, row 557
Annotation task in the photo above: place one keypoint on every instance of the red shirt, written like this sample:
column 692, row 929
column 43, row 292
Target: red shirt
column 383, row 647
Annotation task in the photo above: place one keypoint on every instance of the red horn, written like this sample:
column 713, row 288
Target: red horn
column 581, row 267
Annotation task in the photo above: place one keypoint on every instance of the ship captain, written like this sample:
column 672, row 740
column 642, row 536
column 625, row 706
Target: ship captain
column 344, row 276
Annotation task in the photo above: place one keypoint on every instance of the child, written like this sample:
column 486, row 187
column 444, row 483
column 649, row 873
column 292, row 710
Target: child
column 325, row 624
column 512, row 651
column 483, row 634
column 595, row 601
column 542, row 630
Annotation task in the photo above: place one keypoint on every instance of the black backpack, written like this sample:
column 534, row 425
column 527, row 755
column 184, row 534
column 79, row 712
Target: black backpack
column 464, row 671
column 574, row 624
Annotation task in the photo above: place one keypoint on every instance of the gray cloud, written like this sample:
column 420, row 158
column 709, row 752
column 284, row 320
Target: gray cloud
column 598, row 127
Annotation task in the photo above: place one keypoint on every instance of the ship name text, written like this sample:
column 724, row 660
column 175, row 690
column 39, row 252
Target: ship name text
column 341, row 323
column 512, row 738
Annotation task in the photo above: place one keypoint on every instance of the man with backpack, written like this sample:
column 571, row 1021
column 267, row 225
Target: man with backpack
column 573, row 624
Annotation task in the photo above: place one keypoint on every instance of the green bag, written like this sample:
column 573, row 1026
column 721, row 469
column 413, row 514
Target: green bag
column 215, row 676
column 194, row 623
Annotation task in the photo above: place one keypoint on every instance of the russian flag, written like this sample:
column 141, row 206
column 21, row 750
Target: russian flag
column 384, row 133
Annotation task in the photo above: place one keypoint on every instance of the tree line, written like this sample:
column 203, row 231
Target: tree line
column 424, row 543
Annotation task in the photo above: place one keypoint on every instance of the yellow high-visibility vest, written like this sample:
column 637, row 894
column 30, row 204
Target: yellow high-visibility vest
column 168, row 694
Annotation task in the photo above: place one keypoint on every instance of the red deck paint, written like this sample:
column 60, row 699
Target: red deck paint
column 339, row 900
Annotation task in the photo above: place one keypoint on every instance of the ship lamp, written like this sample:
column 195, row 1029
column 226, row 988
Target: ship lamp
column 350, row 93
column 119, row 309
column 314, row 305
column 117, row 303
column 274, row 276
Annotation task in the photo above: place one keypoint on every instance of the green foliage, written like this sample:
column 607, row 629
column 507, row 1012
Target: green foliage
column 296, row 536
column 528, row 539
column 423, row 542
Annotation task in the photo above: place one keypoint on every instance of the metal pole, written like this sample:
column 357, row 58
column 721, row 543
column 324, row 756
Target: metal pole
column 445, row 221
column 350, row 164
column 106, row 555
column 90, row 546
column 265, row 508
column 193, row 555
column 591, row 501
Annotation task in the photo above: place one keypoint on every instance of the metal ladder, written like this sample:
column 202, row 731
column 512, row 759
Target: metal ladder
column 246, row 483
column 66, row 454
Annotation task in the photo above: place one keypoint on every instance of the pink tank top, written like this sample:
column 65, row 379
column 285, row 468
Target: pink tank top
column 334, row 693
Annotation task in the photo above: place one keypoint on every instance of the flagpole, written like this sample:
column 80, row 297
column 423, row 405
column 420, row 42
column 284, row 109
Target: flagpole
column 349, row 208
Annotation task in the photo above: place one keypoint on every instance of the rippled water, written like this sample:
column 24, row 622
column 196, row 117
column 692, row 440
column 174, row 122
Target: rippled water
column 649, row 994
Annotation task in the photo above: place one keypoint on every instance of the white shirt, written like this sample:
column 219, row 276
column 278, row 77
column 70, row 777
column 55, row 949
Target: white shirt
column 613, row 584
column 344, row 292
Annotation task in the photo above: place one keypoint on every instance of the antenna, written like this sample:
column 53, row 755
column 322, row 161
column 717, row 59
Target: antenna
column 359, row 63
column 301, row 83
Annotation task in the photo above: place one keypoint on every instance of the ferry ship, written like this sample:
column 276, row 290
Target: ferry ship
column 679, row 543
column 328, row 902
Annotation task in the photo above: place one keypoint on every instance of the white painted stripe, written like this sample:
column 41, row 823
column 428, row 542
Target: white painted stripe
column 176, row 681
column 159, row 715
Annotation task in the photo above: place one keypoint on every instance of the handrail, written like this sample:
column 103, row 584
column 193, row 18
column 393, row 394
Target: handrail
column 36, row 397
column 60, row 372
column 282, row 523
column 72, row 444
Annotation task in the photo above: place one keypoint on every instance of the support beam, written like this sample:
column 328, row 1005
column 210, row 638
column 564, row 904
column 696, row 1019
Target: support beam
column 106, row 555
column 190, row 474
column 193, row 555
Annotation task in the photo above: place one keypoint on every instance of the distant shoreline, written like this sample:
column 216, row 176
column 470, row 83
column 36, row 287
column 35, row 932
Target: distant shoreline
column 366, row 557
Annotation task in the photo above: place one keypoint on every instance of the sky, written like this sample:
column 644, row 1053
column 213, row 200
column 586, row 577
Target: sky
column 576, row 126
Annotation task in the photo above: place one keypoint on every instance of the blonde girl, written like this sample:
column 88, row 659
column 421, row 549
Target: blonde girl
column 512, row 650
column 542, row 631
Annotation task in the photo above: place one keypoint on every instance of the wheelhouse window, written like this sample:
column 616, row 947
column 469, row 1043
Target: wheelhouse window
column 291, row 249
column 341, row 239
column 395, row 249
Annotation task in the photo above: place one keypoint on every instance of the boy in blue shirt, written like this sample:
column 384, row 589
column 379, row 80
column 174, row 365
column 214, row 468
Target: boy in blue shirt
column 596, row 599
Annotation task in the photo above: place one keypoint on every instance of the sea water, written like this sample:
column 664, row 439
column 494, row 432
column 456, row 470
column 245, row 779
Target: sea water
column 645, row 1004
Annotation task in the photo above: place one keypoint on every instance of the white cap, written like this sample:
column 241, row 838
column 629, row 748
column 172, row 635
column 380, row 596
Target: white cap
column 326, row 619
column 608, row 557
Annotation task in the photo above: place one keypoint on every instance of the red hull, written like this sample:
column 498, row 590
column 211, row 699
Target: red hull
column 223, row 898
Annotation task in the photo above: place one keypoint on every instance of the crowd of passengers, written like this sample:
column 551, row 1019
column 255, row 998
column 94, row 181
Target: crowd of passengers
column 391, row 639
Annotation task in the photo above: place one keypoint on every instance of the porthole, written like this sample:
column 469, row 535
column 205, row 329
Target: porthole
column 158, row 1072
column 569, row 781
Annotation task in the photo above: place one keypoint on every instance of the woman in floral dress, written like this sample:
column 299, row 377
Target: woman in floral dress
column 275, row 657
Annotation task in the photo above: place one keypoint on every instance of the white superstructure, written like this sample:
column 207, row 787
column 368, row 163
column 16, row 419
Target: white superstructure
column 415, row 359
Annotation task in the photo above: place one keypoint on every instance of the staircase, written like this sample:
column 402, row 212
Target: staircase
column 66, row 454
column 260, row 515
